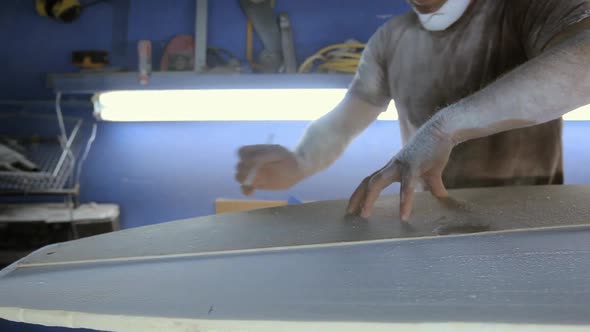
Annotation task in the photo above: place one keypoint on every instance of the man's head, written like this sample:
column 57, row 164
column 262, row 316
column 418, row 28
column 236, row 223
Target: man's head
column 438, row 15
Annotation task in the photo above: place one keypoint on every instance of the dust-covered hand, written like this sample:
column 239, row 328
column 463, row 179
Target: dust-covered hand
column 424, row 157
column 267, row 167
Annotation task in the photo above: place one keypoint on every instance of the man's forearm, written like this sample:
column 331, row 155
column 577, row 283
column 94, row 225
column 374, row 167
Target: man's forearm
column 327, row 137
column 543, row 89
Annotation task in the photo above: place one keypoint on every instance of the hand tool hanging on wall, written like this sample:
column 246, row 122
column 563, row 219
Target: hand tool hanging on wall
column 261, row 14
column 179, row 55
column 64, row 11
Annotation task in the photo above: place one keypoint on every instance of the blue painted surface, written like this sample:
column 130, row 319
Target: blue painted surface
column 159, row 172
column 34, row 46
column 164, row 171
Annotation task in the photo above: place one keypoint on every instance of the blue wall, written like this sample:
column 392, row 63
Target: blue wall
column 164, row 171
column 159, row 172
column 33, row 46
column 170, row 171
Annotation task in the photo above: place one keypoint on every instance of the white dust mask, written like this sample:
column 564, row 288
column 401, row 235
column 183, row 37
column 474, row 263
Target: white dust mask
column 445, row 16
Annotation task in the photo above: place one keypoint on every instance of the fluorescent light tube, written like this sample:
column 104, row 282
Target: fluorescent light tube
column 221, row 105
column 234, row 105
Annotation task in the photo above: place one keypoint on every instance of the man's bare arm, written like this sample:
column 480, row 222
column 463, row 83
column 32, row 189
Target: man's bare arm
column 274, row 167
column 543, row 89
column 327, row 137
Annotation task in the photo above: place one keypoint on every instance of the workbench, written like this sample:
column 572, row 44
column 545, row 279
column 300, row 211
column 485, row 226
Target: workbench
column 510, row 259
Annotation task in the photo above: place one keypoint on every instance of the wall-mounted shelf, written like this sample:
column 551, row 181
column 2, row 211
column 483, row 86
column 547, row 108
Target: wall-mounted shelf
column 88, row 83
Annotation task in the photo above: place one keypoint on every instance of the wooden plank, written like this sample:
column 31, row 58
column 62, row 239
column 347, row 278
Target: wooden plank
column 308, row 267
column 237, row 205
column 470, row 210
column 512, row 281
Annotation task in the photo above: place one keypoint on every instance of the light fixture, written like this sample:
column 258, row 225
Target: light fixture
column 579, row 114
column 234, row 105
column 220, row 105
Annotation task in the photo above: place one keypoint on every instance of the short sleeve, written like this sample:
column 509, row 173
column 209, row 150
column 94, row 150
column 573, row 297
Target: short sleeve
column 370, row 82
column 538, row 21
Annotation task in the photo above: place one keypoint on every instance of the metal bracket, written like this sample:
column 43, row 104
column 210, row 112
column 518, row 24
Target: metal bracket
column 288, row 45
column 201, row 35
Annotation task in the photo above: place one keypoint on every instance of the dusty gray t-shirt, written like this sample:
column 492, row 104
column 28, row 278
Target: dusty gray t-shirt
column 424, row 71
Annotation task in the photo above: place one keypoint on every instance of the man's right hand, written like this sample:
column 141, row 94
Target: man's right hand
column 268, row 167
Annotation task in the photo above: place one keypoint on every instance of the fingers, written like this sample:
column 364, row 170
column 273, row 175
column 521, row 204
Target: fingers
column 261, row 154
column 247, row 176
column 408, row 184
column 436, row 186
column 243, row 170
column 366, row 194
column 252, row 157
column 246, row 151
column 247, row 190
column 358, row 196
column 376, row 184
column 357, row 199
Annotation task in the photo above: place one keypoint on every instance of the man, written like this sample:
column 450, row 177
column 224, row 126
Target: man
column 480, row 87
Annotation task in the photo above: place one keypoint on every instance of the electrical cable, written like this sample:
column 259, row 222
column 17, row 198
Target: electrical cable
column 342, row 58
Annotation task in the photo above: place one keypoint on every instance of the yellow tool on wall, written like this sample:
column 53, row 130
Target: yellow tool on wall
column 65, row 11
column 61, row 10
column 90, row 59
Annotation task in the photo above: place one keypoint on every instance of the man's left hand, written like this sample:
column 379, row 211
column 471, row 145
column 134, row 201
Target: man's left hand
column 424, row 157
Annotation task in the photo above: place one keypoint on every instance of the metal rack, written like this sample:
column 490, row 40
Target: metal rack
column 56, row 151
